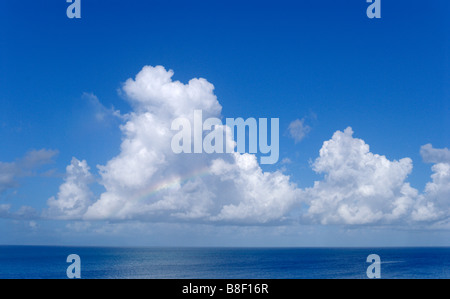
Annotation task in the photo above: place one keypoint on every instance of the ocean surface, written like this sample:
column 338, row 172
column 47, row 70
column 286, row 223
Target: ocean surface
column 38, row 262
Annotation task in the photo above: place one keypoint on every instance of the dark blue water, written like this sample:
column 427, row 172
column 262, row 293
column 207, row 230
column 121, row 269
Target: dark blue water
column 223, row 263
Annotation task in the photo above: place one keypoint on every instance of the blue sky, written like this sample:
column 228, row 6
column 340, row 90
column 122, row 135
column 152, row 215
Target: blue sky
column 323, row 63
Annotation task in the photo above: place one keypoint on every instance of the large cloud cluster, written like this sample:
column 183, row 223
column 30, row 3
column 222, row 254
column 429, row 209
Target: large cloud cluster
column 361, row 188
column 148, row 182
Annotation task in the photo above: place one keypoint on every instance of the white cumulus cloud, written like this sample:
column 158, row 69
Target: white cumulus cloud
column 359, row 187
column 264, row 196
column 434, row 204
column 147, row 181
column 74, row 195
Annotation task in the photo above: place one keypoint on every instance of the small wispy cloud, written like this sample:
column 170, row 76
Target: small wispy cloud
column 298, row 130
column 23, row 167
column 286, row 161
column 24, row 213
column 433, row 155
column 101, row 113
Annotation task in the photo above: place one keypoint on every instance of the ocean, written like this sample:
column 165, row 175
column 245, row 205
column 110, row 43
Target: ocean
column 41, row 262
